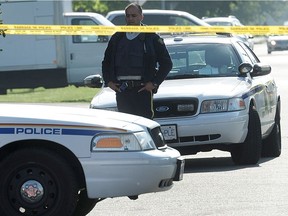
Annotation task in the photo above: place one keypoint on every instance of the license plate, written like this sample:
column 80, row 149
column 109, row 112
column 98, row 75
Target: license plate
column 169, row 132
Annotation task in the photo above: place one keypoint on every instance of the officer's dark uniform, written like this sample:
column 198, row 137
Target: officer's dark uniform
column 132, row 63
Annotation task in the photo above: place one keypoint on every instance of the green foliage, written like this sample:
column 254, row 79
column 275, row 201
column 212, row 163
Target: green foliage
column 258, row 12
column 55, row 95
column 255, row 12
column 89, row 6
column 248, row 12
column 102, row 7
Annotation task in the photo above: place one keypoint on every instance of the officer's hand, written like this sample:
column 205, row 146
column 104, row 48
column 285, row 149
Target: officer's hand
column 148, row 87
column 114, row 86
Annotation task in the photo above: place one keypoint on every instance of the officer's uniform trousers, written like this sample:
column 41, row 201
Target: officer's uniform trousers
column 133, row 102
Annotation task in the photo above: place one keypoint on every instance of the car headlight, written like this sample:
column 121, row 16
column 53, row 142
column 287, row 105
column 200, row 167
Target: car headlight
column 222, row 105
column 273, row 43
column 137, row 141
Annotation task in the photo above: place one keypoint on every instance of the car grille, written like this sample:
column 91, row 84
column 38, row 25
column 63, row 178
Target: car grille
column 174, row 107
column 158, row 138
column 194, row 139
column 282, row 43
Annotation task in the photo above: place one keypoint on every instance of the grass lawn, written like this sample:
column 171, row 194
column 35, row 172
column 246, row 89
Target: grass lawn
column 54, row 95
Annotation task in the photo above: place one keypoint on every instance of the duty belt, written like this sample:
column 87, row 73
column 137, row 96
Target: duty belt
column 129, row 84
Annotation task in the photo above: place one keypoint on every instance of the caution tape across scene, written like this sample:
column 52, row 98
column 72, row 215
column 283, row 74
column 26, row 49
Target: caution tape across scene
column 109, row 30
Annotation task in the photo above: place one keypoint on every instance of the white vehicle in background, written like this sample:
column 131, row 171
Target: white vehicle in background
column 49, row 61
column 276, row 43
column 61, row 161
column 159, row 17
column 223, row 21
column 230, row 21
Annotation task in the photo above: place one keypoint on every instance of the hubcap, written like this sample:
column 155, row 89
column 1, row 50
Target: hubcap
column 32, row 191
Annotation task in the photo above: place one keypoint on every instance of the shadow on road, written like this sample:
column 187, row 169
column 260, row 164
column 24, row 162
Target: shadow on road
column 217, row 164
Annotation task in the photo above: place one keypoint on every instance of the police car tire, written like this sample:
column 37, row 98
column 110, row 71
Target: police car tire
column 272, row 144
column 85, row 204
column 249, row 152
column 59, row 184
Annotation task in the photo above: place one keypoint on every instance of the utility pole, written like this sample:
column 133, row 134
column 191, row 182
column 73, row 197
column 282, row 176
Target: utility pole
column 2, row 32
column 163, row 6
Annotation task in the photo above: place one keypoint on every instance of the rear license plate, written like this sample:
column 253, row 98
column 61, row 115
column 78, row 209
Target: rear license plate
column 169, row 132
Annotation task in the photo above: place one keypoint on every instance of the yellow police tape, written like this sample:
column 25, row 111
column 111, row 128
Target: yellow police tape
column 109, row 30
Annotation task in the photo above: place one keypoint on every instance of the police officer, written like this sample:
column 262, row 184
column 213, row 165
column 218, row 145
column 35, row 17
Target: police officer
column 134, row 66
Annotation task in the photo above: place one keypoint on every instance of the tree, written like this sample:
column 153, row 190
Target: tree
column 89, row 6
column 248, row 12
column 102, row 7
column 260, row 12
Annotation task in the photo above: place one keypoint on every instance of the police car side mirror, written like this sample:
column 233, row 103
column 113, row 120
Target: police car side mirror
column 261, row 69
column 94, row 81
column 257, row 69
column 245, row 68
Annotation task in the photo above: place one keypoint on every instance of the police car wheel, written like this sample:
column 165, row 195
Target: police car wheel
column 272, row 144
column 37, row 181
column 249, row 152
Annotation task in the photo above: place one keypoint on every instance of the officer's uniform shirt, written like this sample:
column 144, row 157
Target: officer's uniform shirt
column 129, row 57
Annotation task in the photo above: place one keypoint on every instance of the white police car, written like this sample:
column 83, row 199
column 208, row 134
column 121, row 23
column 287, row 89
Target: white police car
column 217, row 96
column 62, row 161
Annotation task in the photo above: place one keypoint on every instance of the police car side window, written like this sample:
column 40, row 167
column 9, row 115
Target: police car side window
column 87, row 38
column 119, row 20
column 182, row 21
column 253, row 58
column 151, row 19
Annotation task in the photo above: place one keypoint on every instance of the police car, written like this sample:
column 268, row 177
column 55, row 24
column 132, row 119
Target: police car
column 217, row 96
column 62, row 161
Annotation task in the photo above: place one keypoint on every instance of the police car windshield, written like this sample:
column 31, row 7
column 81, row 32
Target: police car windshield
column 202, row 60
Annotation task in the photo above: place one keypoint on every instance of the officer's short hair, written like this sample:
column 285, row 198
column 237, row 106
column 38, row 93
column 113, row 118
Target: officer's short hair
column 134, row 5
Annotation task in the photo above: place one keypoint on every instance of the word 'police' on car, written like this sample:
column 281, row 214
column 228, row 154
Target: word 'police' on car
column 217, row 96
column 62, row 161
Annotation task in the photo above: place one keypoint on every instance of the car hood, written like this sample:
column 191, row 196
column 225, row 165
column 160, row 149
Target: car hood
column 213, row 88
column 69, row 116
column 207, row 87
